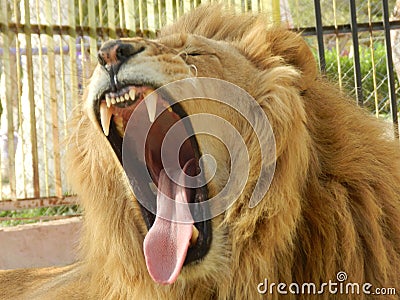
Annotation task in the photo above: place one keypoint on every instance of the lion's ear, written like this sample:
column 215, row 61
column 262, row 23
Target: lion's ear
column 262, row 45
column 294, row 50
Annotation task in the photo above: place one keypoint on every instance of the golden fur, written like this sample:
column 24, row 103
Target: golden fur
column 334, row 203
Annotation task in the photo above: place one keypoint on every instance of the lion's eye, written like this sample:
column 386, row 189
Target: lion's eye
column 195, row 54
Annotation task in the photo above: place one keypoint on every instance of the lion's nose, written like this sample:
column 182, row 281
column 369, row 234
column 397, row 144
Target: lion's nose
column 115, row 52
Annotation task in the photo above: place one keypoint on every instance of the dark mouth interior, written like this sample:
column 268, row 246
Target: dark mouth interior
column 120, row 106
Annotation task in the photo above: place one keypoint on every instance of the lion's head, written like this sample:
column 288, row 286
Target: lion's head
column 125, row 242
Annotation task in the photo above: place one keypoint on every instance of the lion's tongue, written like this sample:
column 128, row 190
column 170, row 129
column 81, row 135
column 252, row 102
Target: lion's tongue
column 166, row 244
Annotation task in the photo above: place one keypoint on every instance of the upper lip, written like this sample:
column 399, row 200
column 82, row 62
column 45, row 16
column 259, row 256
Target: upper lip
column 201, row 247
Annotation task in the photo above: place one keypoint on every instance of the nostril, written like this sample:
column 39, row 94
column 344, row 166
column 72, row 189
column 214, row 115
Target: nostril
column 125, row 51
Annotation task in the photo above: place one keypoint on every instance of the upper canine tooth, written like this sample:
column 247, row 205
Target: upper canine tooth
column 151, row 104
column 105, row 117
column 108, row 100
column 132, row 94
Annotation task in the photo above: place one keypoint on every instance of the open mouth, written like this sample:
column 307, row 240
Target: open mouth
column 168, row 245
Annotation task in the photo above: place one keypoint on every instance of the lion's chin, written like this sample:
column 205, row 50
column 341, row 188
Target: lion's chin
column 136, row 121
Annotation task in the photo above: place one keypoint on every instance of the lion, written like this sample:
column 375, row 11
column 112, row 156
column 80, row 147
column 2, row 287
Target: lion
column 333, row 206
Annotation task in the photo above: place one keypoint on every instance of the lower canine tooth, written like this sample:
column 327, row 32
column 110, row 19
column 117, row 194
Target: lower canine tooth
column 119, row 124
column 195, row 236
column 105, row 117
column 153, row 188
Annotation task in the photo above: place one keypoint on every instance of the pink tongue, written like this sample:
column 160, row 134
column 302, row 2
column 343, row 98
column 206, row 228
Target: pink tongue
column 166, row 244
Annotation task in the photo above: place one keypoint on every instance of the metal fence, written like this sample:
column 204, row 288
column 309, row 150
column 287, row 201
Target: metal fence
column 47, row 49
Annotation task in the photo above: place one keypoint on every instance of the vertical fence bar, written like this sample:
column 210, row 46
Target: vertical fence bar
column 84, row 76
column 255, row 5
column 101, row 19
column 53, row 99
column 141, row 15
column 356, row 57
column 265, row 7
column 43, row 103
column 245, row 6
column 63, row 81
column 187, row 5
column 276, row 11
column 339, row 66
column 130, row 15
column 297, row 14
column 121, row 14
column 158, row 13
column 320, row 35
column 19, row 89
column 389, row 66
column 179, row 8
column 72, row 52
column 92, row 31
column 161, row 13
column 169, row 11
column 9, row 102
column 111, row 19
column 151, row 16
column 31, row 93
column 371, row 47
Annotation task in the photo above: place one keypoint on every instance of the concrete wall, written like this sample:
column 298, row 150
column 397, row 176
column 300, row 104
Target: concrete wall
column 44, row 244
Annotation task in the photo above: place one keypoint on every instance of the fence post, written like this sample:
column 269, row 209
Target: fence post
column 389, row 67
column 356, row 57
column 320, row 36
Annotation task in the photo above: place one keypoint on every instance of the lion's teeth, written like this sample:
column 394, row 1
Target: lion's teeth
column 113, row 100
column 126, row 96
column 117, row 99
column 105, row 117
column 195, row 236
column 121, row 99
column 151, row 104
column 132, row 94
column 108, row 100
